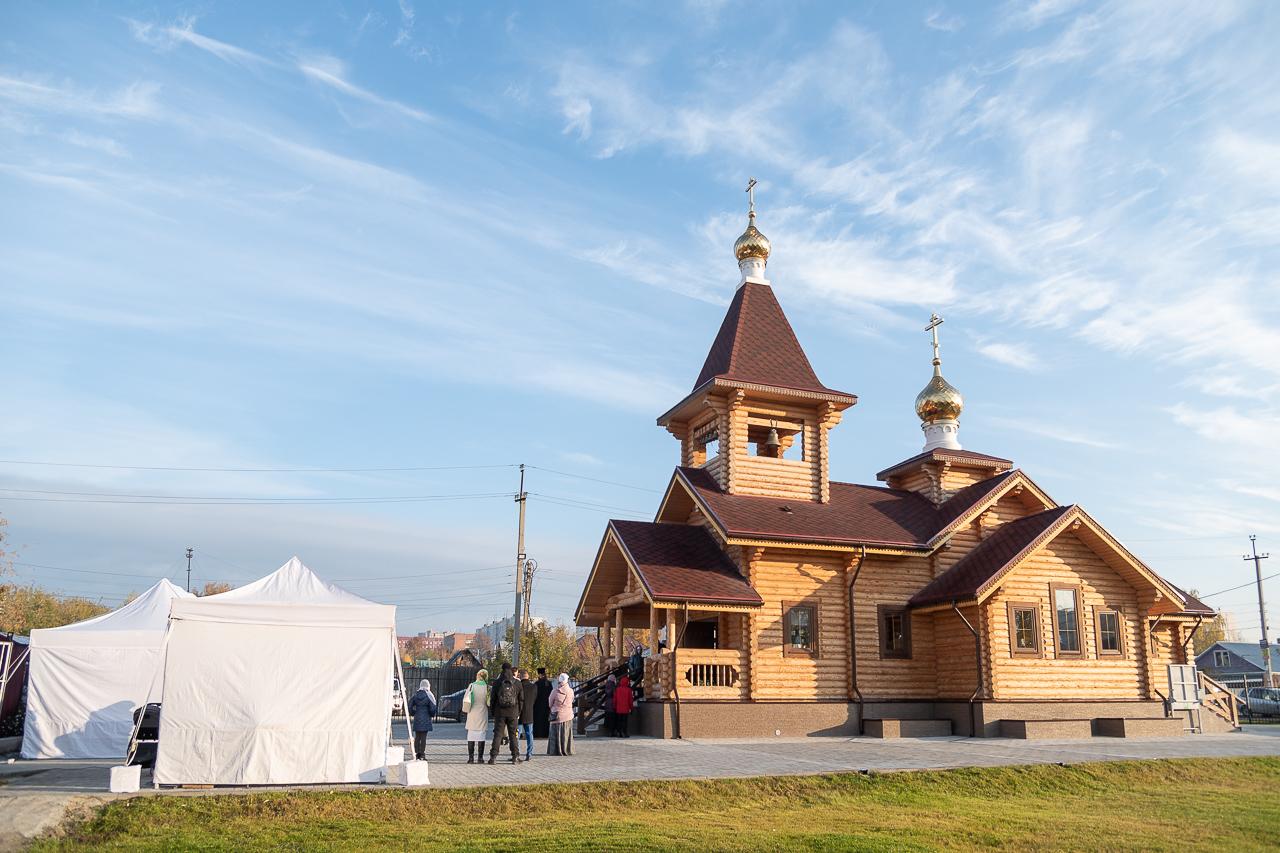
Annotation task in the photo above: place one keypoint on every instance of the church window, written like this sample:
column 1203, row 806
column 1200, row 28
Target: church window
column 1109, row 642
column 895, row 632
column 1066, row 619
column 1024, row 629
column 800, row 629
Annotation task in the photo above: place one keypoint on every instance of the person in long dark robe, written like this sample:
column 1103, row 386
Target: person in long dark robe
column 541, row 708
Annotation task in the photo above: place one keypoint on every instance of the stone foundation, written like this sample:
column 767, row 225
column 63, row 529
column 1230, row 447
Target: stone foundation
column 709, row 719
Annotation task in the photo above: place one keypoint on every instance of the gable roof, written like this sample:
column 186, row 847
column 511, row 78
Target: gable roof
column 1249, row 652
column 982, row 567
column 681, row 562
column 854, row 515
column 942, row 454
column 756, row 345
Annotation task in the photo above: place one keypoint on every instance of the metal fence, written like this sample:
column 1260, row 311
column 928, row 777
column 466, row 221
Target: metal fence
column 444, row 680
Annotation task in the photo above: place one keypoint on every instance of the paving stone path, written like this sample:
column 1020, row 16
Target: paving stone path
column 35, row 795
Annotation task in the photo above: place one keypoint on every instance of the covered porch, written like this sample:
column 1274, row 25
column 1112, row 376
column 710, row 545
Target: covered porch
column 671, row 590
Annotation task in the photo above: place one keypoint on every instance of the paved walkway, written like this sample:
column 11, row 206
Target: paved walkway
column 35, row 795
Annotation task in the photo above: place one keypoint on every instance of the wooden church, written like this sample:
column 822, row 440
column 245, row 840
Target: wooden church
column 957, row 597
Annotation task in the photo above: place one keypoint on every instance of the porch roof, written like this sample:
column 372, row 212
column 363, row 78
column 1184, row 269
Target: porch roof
column 681, row 562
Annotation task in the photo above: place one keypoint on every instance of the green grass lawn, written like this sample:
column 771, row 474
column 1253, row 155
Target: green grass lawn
column 1195, row 804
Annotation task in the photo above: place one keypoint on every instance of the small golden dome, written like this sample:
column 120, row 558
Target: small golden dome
column 939, row 401
column 752, row 244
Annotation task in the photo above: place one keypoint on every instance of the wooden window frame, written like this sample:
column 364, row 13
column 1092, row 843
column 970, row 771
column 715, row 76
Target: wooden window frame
column 883, row 610
column 1097, row 626
column 1053, row 610
column 790, row 651
column 1014, row 651
column 1216, row 657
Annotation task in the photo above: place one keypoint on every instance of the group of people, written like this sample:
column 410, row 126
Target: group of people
column 520, row 709
column 619, row 699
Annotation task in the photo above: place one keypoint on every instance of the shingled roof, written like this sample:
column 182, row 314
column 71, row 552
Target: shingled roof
column 944, row 454
column 854, row 515
column 987, row 562
column 680, row 562
column 756, row 345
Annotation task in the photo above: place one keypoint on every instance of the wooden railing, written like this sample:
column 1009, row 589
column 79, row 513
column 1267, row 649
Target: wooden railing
column 1220, row 700
column 710, row 673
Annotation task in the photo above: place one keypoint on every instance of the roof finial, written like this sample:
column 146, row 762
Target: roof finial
column 934, row 322
column 939, row 404
column 752, row 249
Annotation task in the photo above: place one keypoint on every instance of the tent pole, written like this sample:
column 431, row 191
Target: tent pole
column 404, row 696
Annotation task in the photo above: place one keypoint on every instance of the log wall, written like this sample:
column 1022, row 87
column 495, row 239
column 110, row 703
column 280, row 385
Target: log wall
column 892, row 581
column 800, row 577
column 1067, row 560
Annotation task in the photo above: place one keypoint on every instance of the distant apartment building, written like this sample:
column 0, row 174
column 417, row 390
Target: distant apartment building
column 497, row 631
column 456, row 641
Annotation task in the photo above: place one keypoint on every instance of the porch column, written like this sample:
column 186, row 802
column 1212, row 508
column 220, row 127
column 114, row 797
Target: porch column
column 620, row 648
column 653, row 631
column 606, row 637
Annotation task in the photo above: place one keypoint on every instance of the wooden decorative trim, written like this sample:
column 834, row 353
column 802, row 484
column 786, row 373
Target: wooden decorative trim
column 1053, row 613
column 789, row 650
column 882, row 612
column 1097, row 626
column 1014, row 651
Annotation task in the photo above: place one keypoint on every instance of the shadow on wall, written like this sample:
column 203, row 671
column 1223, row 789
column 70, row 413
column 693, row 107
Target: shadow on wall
column 104, row 735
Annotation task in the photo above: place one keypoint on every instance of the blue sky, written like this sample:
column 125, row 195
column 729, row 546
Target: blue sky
column 381, row 235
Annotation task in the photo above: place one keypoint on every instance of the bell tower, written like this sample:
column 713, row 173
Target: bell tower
column 757, row 417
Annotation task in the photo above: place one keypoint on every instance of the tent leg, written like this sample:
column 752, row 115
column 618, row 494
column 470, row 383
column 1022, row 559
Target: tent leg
column 404, row 697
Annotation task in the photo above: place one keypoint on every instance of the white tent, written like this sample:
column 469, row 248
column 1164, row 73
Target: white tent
column 87, row 678
column 284, row 681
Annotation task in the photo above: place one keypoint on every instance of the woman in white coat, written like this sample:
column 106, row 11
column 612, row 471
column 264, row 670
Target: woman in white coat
column 475, row 704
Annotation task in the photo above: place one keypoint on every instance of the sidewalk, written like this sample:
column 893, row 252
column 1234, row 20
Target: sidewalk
column 35, row 795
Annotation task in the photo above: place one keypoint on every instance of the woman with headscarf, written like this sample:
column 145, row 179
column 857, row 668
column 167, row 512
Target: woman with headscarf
column 610, row 717
column 475, row 704
column 422, row 707
column 560, row 740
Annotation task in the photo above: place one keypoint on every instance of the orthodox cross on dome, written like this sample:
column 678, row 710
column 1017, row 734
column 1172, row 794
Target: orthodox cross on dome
column 751, row 198
column 934, row 322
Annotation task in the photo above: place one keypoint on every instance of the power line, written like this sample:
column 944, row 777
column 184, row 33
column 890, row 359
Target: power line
column 1234, row 588
column 256, row 470
column 595, row 479
column 266, row 501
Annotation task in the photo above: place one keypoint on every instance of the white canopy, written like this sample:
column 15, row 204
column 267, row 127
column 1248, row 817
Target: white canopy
column 284, row 681
column 86, row 678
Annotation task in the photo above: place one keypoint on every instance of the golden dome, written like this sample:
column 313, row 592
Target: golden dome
column 752, row 244
column 939, row 401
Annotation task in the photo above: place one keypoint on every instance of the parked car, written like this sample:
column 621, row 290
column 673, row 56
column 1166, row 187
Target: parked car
column 144, row 740
column 1263, row 701
column 450, row 706
column 397, row 697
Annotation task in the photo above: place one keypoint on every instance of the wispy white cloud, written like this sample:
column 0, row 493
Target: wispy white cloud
column 169, row 36
column 939, row 19
column 136, row 100
column 1054, row 431
column 1010, row 355
column 332, row 72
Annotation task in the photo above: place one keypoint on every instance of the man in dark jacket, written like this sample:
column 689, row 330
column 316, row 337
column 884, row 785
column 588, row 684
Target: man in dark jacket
column 542, row 704
column 505, row 695
column 528, row 697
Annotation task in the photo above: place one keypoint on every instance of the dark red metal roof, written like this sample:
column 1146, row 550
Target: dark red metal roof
column 757, row 345
column 681, row 562
column 939, row 454
column 964, row 580
column 855, row 514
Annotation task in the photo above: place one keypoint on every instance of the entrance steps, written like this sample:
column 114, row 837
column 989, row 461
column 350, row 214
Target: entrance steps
column 1087, row 728
column 1139, row 727
column 907, row 728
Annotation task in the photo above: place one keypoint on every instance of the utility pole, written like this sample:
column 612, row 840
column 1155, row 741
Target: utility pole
column 516, row 626
column 1262, row 605
column 190, row 553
